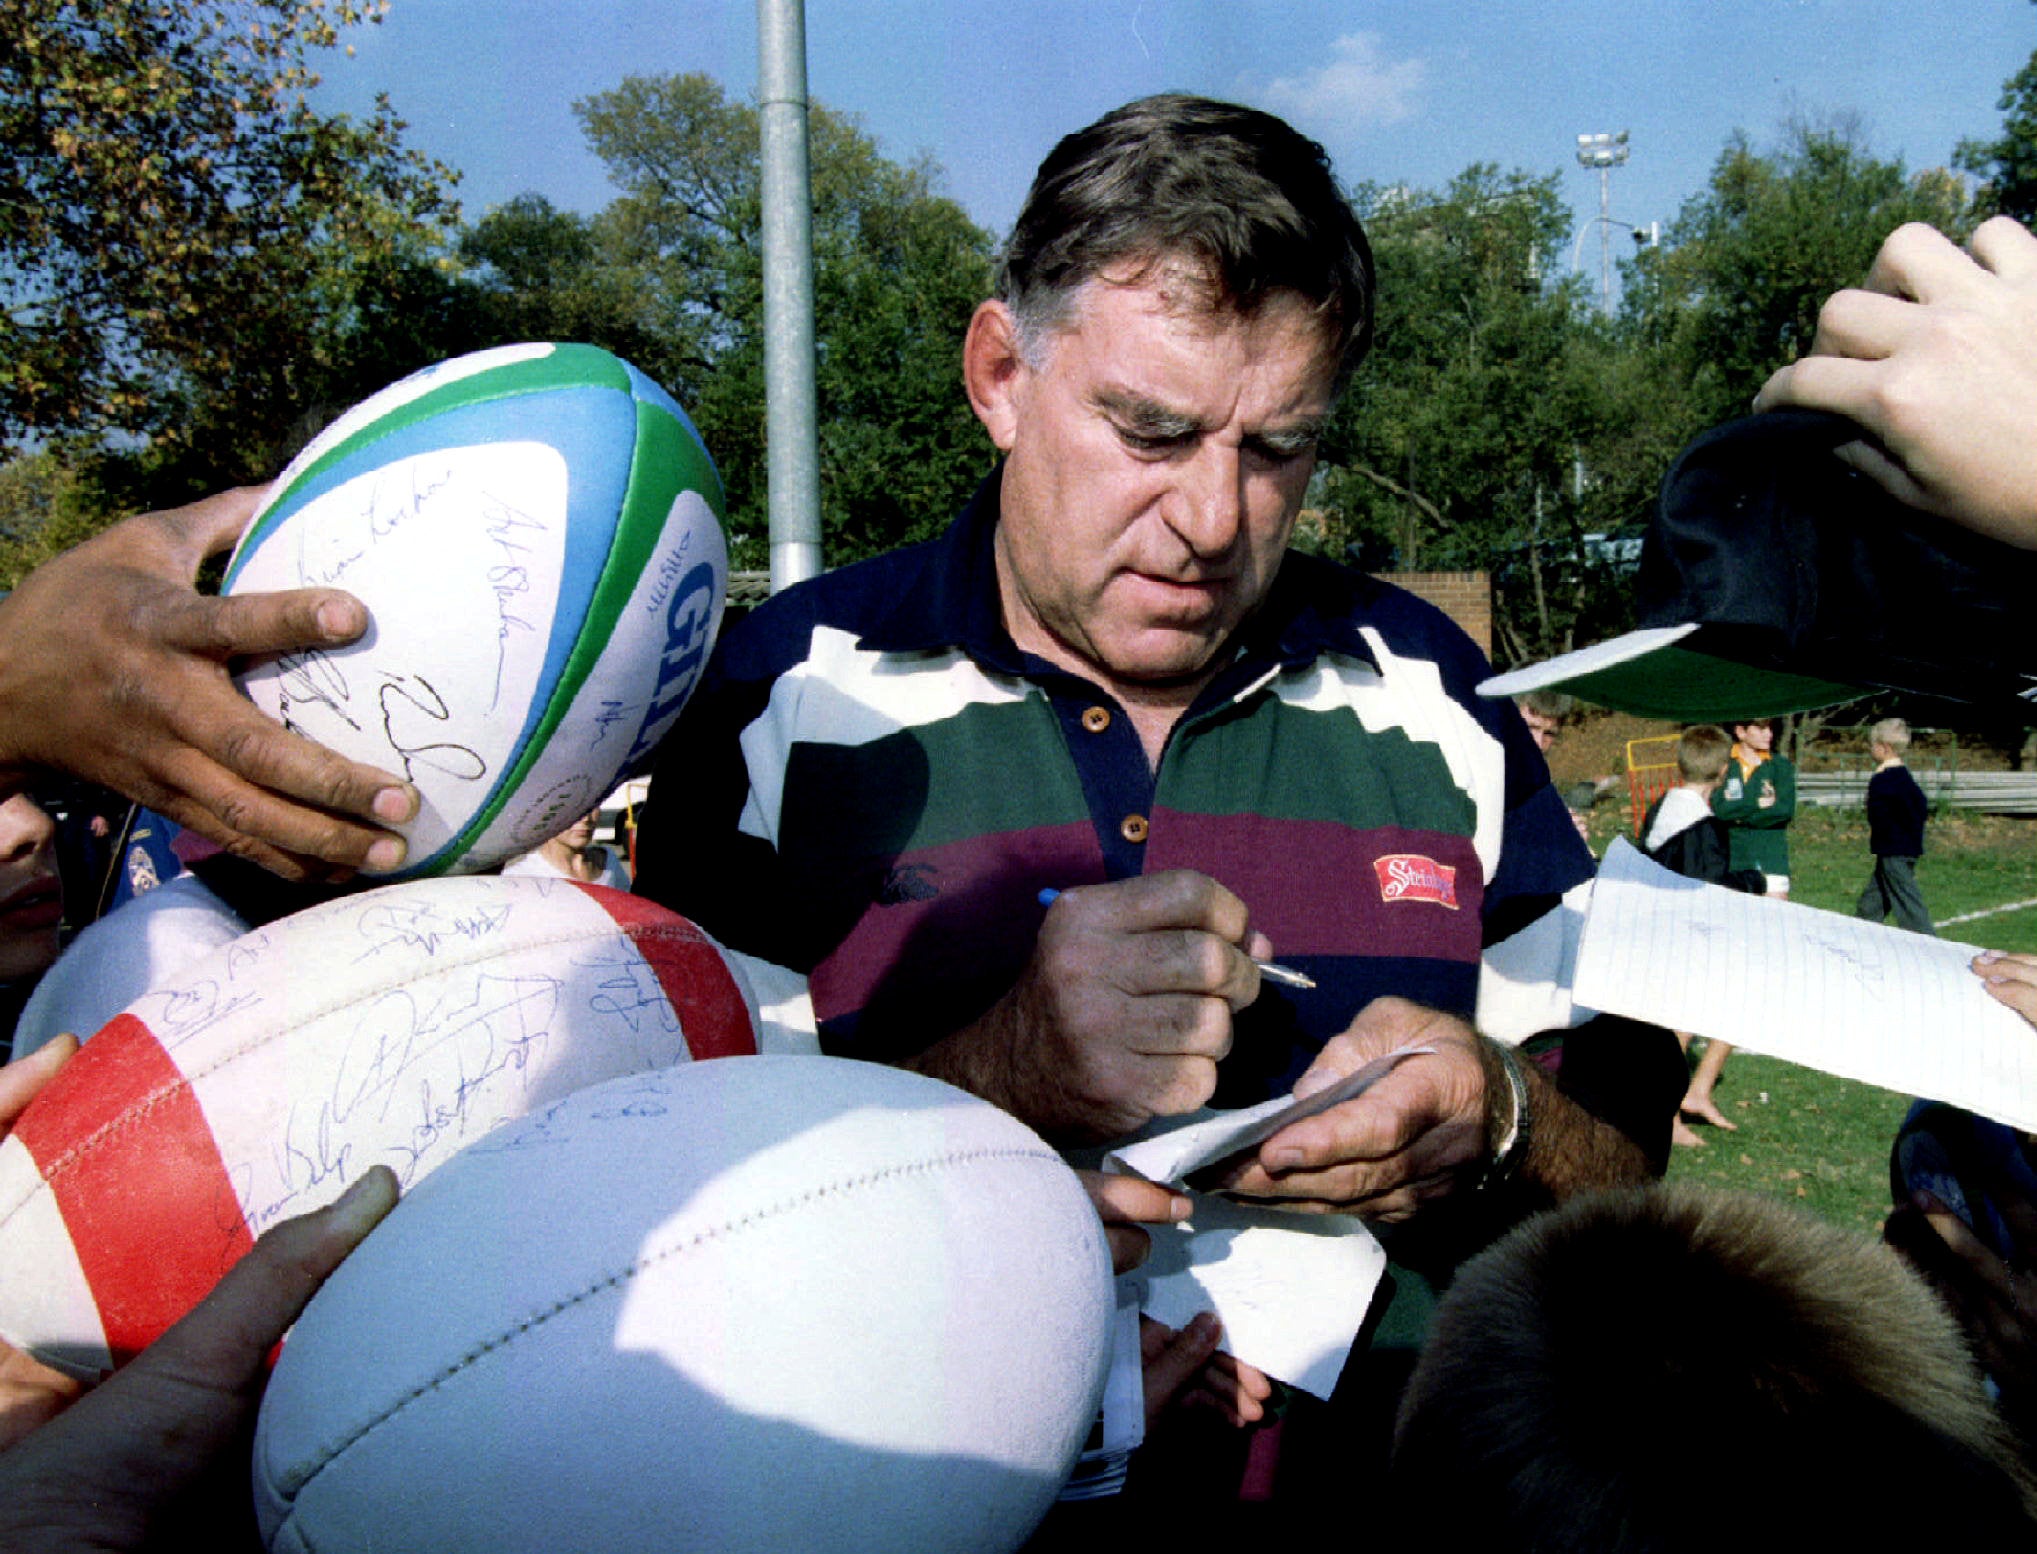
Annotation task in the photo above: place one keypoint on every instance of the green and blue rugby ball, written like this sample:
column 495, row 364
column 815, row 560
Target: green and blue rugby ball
column 536, row 533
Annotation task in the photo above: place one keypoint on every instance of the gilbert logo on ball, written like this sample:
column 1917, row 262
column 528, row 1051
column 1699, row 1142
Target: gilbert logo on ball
column 395, row 1026
column 535, row 531
column 788, row 1304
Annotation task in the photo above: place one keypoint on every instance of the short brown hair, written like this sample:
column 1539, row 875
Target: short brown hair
column 1702, row 753
column 1246, row 199
column 1553, row 705
column 1579, row 1367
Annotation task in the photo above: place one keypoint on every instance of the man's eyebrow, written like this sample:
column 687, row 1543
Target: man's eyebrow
column 1145, row 416
column 1291, row 436
column 1150, row 418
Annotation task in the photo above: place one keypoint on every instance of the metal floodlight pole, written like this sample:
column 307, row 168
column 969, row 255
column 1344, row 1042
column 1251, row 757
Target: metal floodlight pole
column 790, row 422
column 1604, row 152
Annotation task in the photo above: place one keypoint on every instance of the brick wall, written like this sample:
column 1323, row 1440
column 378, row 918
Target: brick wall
column 1466, row 597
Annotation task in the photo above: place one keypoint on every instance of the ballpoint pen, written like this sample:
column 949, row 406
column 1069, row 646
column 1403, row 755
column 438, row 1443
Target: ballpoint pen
column 1272, row 971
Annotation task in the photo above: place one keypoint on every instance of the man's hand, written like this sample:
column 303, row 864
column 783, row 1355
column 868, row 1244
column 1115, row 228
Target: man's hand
column 1123, row 1013
column 1406, row 1140
column 160, row 1444
column 1937, row 357
column 114, row 668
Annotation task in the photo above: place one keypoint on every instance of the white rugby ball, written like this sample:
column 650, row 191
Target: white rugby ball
column 788, row 1304
column 535, row 531
column 395, row 1026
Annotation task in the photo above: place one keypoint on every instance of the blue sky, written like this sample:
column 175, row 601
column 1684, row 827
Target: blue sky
column 1400, row 91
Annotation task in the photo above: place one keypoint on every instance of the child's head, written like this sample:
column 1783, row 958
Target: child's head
column 1544, row 712
column 1578, row 1368
column 1758, row 736
column 1889, row 738
column 1702, row 753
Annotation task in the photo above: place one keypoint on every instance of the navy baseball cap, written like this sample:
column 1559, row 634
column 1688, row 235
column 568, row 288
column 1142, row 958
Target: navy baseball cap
column 1776, row 578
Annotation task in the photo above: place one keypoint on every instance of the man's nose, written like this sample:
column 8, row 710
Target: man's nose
column 1211, row 509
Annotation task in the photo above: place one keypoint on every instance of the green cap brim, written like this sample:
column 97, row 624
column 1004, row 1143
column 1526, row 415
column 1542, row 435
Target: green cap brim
column 1654, row 674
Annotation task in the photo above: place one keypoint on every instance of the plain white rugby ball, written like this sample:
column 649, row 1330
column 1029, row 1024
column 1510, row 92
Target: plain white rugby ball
column 789, row 1304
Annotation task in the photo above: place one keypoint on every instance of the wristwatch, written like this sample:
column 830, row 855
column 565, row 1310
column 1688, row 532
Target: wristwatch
column 1508, row 1130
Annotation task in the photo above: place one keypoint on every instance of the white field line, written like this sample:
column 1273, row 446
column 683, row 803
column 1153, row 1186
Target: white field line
column 1993, row 911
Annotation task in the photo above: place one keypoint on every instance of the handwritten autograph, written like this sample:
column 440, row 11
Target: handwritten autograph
column 416, row 1075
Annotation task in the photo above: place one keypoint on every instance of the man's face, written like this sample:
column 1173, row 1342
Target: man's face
column 1755, row 736
column 1157, row 456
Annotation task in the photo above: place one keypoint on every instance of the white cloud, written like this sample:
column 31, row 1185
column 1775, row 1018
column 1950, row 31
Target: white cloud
column 1358, row 85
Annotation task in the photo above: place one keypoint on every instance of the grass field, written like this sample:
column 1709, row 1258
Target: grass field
column 1810, row 1138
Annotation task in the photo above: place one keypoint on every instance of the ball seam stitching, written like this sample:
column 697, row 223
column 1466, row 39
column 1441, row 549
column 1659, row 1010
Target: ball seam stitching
column 631, row 1270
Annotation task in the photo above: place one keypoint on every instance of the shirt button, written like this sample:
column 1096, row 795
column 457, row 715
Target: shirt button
column 1096, row 719
column 1133, row 828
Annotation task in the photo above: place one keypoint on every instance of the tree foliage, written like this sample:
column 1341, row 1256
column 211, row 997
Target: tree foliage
column 44, row 508
column 1734, row 290
column 897, row 269
column 1503, row 424
column 2007, row 165
column 198, row 271
column 1454, row 448
column 177, row 226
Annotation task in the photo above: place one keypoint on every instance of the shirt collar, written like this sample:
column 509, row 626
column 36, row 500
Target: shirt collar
column 953, row 601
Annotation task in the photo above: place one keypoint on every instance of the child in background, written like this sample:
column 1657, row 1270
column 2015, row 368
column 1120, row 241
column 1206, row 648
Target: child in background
column 1683, row 834
column 1757, row 800
column 1896, row 811
column 574, row 854
column 31, row 905
column 1545, row 713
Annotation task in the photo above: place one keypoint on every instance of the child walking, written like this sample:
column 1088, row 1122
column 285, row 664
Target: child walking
column 1896, row 811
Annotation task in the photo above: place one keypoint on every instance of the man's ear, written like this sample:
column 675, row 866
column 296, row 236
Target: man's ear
column 994, row 371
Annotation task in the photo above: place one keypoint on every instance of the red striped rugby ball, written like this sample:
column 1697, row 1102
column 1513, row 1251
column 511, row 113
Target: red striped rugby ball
column 393, row 1026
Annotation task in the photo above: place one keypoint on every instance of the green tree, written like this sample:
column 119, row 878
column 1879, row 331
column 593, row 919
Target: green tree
column 535, row 272
column 1732, row 293
column 1455, row 448
column 897, row 269
column 44, row 508
column 1735, row 288
column 183, row 241
column 2007, row 165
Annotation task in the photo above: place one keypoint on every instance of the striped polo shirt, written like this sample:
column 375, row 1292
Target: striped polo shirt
column 873, row 784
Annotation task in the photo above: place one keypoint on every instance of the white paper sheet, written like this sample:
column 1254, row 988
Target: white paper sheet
column 1174, row 1151
column 1852, row 998
column 1291, row 1289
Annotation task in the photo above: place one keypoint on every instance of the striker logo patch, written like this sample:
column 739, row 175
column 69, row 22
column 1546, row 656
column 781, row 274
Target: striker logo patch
column 1411, row 877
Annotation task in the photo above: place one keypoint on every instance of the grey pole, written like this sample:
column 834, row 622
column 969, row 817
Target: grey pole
column 1605, row 237
column 790, row 422
column 1604, row 152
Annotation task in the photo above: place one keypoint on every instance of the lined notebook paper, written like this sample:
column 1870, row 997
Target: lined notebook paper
column 1852, row 998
